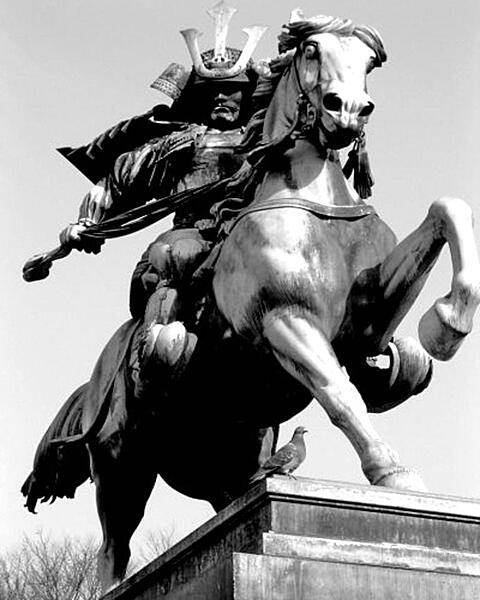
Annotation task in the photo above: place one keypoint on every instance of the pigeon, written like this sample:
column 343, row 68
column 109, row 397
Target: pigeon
column 285, row 460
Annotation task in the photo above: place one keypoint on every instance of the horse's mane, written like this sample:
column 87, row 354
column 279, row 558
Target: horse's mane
column 294, row 33
column 290, row 38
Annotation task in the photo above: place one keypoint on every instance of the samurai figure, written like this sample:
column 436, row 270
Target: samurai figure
column 196, row 143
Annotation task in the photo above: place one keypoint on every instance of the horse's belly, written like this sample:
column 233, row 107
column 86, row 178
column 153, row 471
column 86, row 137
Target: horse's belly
column 291, row 257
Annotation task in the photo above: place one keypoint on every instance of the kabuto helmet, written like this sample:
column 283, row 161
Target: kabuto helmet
column 221, row 64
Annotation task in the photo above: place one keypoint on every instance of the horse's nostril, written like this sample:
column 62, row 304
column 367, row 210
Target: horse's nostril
column 367, row 110
column 332, row 102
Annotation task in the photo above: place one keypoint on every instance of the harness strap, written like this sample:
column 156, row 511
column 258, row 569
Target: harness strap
column 326, row 211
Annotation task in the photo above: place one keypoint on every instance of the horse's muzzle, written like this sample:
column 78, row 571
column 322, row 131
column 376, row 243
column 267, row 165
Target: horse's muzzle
column 340, row 137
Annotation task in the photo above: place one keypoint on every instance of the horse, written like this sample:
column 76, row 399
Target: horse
column 300, row 277
column 307, row 284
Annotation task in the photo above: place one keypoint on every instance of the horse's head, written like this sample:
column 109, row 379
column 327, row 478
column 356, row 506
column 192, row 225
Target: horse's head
column 329, row 60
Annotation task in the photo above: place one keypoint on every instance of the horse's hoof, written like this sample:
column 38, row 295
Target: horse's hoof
column 436, row 333
column 402, row 478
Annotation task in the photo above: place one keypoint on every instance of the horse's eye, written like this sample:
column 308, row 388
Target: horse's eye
column 311, row 51
column 372, row 63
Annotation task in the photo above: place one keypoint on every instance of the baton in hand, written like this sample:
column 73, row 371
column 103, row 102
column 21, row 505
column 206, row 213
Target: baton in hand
column 38, row 266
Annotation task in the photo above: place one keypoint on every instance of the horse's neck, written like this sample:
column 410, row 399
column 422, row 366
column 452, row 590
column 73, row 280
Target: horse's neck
column 304, row 172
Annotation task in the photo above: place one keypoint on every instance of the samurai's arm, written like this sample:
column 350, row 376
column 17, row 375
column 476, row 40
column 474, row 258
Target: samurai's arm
column 137, row 177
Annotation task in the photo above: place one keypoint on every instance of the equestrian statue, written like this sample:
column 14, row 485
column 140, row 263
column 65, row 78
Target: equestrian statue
column 289, row 286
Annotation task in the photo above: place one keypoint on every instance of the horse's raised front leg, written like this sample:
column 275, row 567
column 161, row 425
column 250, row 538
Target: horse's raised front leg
column 305, row 353
column 403, row 274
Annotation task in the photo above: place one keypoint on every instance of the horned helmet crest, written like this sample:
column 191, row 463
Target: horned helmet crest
column 219, row 63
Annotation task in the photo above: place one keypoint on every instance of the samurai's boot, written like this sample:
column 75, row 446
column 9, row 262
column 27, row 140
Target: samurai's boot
column 163, row 281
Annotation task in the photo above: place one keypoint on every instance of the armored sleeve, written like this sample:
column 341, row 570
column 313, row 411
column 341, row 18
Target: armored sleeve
column 137, row 177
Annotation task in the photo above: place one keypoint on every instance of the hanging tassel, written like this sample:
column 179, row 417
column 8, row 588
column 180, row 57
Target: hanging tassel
column 351, row 163
column 362, row 177
column 359, row 164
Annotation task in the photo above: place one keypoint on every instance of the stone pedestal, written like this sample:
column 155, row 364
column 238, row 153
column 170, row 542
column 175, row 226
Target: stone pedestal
column 306, row 539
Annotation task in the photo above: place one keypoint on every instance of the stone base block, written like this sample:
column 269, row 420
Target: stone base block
column 282, row 578
column 306, row 539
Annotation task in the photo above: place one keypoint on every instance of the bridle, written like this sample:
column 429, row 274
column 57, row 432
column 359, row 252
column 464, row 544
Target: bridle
column 307, row 113
column 309, row 119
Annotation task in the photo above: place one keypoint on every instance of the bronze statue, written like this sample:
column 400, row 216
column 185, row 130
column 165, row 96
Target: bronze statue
column 309, row 285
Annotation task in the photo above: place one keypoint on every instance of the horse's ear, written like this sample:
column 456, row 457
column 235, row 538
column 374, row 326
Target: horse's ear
column 296, row 15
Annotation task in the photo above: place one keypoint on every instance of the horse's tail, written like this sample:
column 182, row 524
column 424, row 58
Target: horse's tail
column 59, row 469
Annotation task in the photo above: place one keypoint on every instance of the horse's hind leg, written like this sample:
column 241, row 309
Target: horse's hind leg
column 302, row 349
column 404, row 272
column 123, row 486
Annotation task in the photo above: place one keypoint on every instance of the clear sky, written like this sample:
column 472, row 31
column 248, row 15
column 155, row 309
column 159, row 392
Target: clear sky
column 75, row 67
